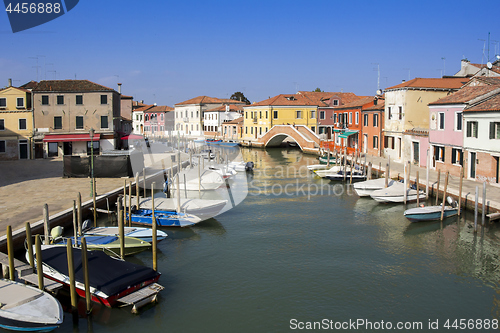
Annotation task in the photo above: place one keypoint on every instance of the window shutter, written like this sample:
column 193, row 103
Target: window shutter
column 469, row 129
column 492, row 130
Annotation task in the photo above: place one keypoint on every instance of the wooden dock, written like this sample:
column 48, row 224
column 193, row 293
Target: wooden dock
column 25, row 273
column 141, row 297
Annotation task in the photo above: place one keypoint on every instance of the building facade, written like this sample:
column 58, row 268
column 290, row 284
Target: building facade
column 65, row 111
column 16, row 124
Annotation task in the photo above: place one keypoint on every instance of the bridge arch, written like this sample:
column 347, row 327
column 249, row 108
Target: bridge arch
column 305, row 138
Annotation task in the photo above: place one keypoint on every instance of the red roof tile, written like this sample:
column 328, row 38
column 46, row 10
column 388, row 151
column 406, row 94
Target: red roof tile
column 490, row 104
column 232, row 108
column 69, row 86
column 464, row 95
column 363, row 100
column 158, row 108
column 439, row 83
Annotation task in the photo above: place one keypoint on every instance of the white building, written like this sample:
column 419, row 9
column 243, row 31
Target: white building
column 214, row 118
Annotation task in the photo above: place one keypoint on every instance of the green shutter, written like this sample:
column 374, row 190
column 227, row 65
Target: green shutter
column 492, row 130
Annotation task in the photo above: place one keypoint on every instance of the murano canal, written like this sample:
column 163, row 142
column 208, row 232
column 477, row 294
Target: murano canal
column 298, row 250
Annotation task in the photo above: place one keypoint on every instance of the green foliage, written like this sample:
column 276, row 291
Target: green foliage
column 317, row 90
column 238, row 96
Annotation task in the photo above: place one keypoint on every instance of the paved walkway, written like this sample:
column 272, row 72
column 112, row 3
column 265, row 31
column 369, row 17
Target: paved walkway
column 26, row 185
column 468, row 186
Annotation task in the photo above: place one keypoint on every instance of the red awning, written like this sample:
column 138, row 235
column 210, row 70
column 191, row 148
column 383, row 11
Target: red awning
column 70, row 137
column 133, row 137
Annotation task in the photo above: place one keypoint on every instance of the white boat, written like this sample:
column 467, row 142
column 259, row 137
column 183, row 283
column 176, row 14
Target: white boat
column 25, row 308
column 365, row 188
column 223, row 170
column 395, row 193
column 145, row 234
column 203, row 208
column 339, row 176
column 189, row 180
column 431, row 213
column 241, row 166
column 325, row 172
column 314, row 167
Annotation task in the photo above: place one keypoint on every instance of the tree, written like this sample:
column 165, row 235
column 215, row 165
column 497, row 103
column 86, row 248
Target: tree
column 317, row 90
column 238, row 96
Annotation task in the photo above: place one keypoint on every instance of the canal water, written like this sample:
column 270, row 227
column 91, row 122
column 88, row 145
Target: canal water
column 297, row 251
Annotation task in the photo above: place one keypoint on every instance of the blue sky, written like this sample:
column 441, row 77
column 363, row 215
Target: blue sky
column 166, row 52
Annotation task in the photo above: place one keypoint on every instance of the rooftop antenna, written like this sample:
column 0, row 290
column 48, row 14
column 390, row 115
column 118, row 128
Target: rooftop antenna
column 378, row 77
column 444, row 66
column 484, row 47
column 35, row 66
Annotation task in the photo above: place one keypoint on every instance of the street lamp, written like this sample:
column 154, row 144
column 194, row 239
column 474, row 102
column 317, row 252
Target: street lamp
column 92, row 162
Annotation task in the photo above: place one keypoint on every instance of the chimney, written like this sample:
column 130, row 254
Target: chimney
column 403, row 81
column 119, row 88
column 10, row 83
column 375, row 101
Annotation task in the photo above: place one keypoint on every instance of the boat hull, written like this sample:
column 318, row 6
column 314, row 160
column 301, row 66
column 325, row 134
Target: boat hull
column 144, row 234
column 26, row 308
column 164, row 218
column 424, row 214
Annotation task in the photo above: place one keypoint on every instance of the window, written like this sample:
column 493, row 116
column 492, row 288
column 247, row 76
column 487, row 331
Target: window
column 322, row 115
column 350, row 118
column 60, row 100
column 2, row 146
column 246, row 115
column 146, row 117
column 275, row 114
column 260, row 114
column 458, row 121
column 3, row 103
column 79, row 122
column 389, row 112
column 298, row 114
column 439, row 153
column 267, row 114
column 104, row 99
column 334, row 117
column 365, row 120
column 20, row 102
column 400, row 112
column 441, row 120
column 251, row 130
column 246, row 129
column 2, row 124
column 357, row 118
column 494, row 130
column 57, row 122
column 389, row 142
column 22, row 124
column 313, row 114
column 79, row 99
column 375, row 142
column 335, row 102
column 375, row 120
column 260, row 130
column 457, row 156
column 104, row 121
column 472, row 129
column 161, row 116
column 45, row 99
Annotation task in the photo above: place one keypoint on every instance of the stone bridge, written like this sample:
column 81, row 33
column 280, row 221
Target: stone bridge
column 306, row 139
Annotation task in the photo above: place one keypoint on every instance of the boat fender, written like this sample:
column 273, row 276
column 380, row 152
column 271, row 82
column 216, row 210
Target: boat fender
column 86, row 225
column 56, row 233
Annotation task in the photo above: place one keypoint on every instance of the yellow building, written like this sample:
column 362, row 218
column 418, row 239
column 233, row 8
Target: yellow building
column 16, row 123
column 283, row 109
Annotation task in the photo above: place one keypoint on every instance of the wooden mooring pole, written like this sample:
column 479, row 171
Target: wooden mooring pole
column 153, row 225
column 475, row 208
column 483, row 210
column 39, row 261
column 72, row 283
column 10, row 249
column 460, row 189
column 46, row 224
column 417, row 181
column 437, row 187
column 120, row 228
column 444, row 194
column 86, row 279
column 29, row 245
column 80, row 213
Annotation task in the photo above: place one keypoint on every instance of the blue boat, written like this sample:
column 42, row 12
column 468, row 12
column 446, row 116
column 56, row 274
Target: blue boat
column 229, row 144
column 164, row 218
column 429, row 213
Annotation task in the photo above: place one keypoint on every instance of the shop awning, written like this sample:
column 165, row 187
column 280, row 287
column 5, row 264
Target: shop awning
column 70, row 137
column 347, row 134
column 133, row 137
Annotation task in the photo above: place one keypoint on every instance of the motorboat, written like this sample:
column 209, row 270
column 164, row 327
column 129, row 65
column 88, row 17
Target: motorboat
column 106, row 243
column 339, row 176
column 314, row 167
column 330, row 171
column 110, row 278
column 144, row 234
column 26, row 308
column 202, row 208
column 365, row 188
column 191, row 180
column 163, row 218
column 395, row 193
column 431, row 213
column 241, row 166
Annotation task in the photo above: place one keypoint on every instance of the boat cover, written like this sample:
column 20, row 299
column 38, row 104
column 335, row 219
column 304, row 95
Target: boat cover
column 106, row 274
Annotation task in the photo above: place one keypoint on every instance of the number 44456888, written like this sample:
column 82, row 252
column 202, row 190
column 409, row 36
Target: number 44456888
column 40, row 8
